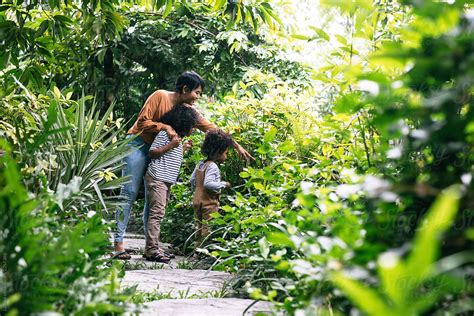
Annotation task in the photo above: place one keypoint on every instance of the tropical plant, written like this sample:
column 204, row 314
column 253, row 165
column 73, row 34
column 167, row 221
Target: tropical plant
column 48, row 266
column 72, row 152
column 413, row 285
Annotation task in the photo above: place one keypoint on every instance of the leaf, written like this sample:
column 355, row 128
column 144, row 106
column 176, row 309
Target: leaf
column 218, row 4
column 286, row 147
column 321, row 34
column 341, row 39
column 438, row 220
column 270, row 135
column 300, row 37
column 56, row 92
column 169, row 7
column 244, row 174
column 280, row 239
column 264, row 247
column 259, row 186
column 365, row 298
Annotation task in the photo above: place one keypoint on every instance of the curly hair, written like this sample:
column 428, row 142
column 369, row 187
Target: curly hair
column 215, row 143
column 182, row 118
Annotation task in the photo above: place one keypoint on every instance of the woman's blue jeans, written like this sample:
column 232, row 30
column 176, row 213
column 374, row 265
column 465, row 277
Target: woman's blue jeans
column 136, row 165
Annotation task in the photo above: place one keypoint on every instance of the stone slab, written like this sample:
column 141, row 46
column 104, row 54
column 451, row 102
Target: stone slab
column 178, row 283
column 207, row 307
column 134, row 236
column 137, row 262
column 135, row 243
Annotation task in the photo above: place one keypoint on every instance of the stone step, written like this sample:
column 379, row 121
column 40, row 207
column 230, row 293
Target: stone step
column 135, row 243
column 208, row 307
column 179, row 283
column 137, row 262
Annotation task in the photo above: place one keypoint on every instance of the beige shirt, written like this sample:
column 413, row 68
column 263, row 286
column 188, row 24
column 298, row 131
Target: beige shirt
column 147, row 124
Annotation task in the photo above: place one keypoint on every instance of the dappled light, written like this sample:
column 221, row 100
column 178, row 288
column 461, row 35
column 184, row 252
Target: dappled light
column 236, row 157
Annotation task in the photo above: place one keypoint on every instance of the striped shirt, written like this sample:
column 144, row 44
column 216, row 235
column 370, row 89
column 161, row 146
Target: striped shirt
column 166, row 167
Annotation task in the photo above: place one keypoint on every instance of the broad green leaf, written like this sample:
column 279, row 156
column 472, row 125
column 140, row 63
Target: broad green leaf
column 270, row 135
column 259, row 186
column 300, row 37
column 287, row 146
column 264, row 247
column 426, row 245
column 321, row 34
column 168, row 8
column 368, row 300
column 280, row 239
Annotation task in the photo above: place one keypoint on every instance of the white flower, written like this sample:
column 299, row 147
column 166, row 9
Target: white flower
column 375, row 186
column 91, row 214
column 466, row 178
column 306, row 186
column 369, row 86
column 388, row 259
column 325, row 242
column 305, row 268
column 388, row 196
column 346, row 190
column 419, row 134
column 394, row 153
column 350, row 174
column 357, row 273
column 397, row 84
column 295, row 203
column 22, row 262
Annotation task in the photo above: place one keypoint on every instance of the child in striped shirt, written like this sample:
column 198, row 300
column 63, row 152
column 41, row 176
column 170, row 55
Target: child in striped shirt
column 166, row 156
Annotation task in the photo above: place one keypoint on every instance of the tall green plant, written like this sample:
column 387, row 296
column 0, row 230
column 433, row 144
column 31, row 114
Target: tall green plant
column 74, row 152
column 48, row 267
column 413, row 285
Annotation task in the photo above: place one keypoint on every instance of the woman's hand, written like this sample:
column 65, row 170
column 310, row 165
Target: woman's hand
column 175, row 141
column 243, row 153
column 170, row 131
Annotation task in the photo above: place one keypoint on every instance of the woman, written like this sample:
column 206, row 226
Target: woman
column 188, row 89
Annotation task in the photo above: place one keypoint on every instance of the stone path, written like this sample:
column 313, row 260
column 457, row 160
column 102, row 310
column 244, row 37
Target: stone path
column 186, row 291
column 206, row 307
column 178, row 281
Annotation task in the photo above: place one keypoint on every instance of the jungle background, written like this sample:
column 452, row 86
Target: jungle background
column 359, row 114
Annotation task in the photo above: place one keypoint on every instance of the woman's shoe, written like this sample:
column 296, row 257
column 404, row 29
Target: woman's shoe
column 157, row 258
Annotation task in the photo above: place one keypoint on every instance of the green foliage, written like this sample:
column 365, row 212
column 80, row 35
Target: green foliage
column 124, row 50
column 61, row 146
column 48, row 266
column 345, row 168
column 304, row 210
column 412, row 286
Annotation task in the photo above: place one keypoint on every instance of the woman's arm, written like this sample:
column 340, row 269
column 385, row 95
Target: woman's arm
column 153, row 106
column 204, row 125
column 242, row 152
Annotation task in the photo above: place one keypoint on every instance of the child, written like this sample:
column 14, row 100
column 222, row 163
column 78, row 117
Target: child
column 206, row 179
column 166, row 156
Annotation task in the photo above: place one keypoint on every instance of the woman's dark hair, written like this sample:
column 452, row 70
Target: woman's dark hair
column 189, row 79
column 182, row 118
column 215, row 143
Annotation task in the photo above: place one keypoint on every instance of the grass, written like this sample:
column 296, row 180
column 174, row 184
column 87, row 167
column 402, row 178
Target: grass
column 143, row 297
